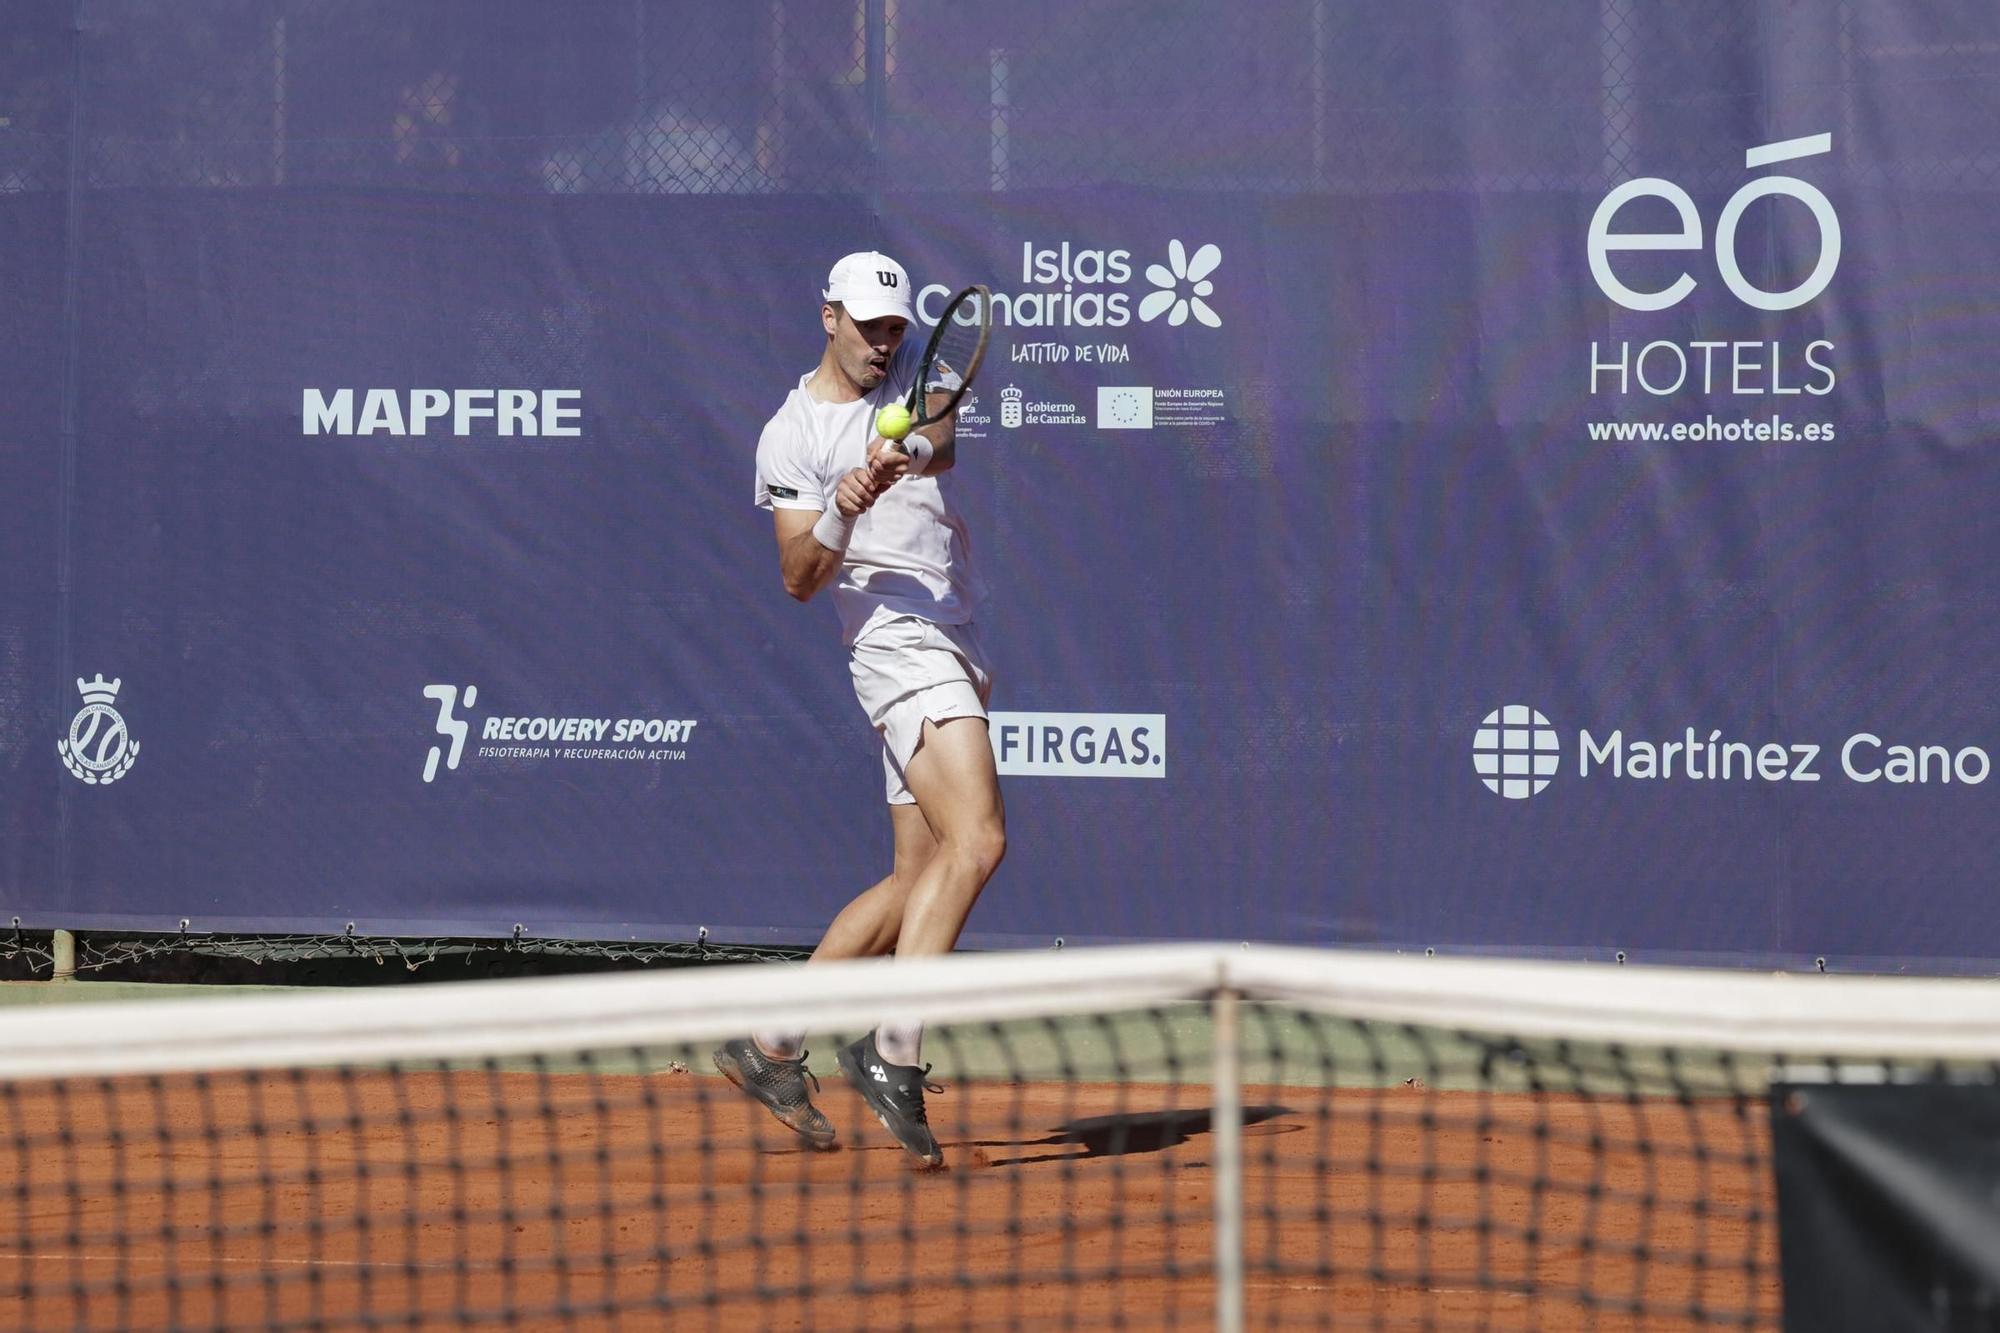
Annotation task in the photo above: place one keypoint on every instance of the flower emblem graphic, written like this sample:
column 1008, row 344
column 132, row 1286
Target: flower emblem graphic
column 1169, row 300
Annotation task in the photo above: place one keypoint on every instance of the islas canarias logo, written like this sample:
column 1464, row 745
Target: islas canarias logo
column 1182, row 285
column 1066, row 285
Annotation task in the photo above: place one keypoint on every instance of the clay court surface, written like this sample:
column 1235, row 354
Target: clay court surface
column 329, row 1199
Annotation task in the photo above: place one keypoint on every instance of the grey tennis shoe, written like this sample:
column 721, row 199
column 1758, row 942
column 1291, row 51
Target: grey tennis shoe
column 895, row 1093
column 780, row 1085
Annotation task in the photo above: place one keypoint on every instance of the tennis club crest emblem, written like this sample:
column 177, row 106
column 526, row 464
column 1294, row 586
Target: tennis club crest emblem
column 99, row 750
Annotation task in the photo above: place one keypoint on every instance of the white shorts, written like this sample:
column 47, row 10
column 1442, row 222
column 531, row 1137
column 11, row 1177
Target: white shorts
column 909, row 671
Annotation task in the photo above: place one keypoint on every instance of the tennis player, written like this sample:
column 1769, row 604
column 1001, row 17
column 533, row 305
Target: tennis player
column 874, row 520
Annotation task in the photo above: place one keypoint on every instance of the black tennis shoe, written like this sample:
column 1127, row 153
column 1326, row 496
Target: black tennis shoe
column 780, row 1085
column 895, row 1093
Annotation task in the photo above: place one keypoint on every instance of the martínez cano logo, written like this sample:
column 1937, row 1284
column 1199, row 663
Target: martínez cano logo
column 1516, row 752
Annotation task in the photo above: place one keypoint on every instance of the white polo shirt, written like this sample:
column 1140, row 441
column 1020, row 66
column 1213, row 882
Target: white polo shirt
column 910, row 555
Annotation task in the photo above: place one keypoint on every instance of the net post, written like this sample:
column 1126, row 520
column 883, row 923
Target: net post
column 1226, row 1123
column 63, row 956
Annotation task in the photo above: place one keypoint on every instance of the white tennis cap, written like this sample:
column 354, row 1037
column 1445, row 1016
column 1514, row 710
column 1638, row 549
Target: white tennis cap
column 870, row 285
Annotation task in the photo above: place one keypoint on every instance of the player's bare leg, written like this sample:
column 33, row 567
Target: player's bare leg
column 953, row 777
column 871, row 924
column 957, row 786
column 770, row 1066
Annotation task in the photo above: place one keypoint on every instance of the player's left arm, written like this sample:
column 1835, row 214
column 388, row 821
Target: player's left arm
column 942, row 433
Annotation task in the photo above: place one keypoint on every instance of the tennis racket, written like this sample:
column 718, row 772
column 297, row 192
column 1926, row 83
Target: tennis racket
column 957, row 346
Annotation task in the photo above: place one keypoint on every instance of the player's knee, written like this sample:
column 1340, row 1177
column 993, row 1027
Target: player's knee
column 896, row 889
column 985, row 846
column 908, row 870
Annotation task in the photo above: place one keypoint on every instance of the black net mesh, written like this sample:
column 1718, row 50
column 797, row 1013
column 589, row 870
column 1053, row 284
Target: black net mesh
column 1389, row 1176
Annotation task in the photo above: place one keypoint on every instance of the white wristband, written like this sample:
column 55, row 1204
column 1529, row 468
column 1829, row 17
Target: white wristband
column 834, row 529
column 920, row 451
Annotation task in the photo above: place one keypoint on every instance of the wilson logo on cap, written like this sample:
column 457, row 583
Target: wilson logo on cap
column 871, row 285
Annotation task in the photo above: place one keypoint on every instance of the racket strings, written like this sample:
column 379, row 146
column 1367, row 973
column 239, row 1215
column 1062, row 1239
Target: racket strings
column 957, row 347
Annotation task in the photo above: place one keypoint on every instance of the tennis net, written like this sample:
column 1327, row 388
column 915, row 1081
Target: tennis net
column 1175, row 1137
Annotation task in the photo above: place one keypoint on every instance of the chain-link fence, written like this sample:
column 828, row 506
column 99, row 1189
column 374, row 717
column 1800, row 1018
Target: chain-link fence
column 801, row 96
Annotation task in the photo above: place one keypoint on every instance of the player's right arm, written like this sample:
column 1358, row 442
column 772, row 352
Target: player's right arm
column 810, row 545
column 812, row 513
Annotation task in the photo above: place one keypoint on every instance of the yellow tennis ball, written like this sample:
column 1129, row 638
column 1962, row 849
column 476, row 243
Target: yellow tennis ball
column 893, row 422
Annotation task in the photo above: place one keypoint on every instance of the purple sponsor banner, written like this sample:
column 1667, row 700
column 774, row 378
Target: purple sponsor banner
column 35, row 428
column 1463, row 490
column 31, row 480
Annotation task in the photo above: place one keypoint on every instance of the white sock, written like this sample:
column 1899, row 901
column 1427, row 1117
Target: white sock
column 780, row 1045
column 901, row 1043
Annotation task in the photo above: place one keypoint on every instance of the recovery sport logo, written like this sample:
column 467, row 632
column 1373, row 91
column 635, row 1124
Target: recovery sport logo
column 451, row 728
column 548, row 735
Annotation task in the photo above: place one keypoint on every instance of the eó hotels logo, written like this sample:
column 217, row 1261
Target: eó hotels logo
column 1515, row 751
column 451, row 728
column 98, row 750
column 1170, row 300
